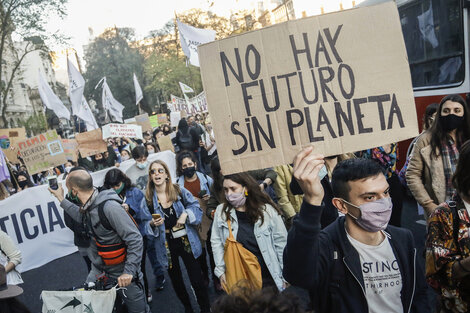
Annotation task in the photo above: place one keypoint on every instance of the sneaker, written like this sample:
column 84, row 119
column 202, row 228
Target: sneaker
column 160, row 284
column 149, row 298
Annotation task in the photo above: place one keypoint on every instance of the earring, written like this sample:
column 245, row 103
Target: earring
column 246, row 193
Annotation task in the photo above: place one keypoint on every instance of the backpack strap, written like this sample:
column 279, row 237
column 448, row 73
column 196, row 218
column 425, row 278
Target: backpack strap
column 104, row 220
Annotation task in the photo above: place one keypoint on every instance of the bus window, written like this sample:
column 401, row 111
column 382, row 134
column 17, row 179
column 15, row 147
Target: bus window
column 433, row 33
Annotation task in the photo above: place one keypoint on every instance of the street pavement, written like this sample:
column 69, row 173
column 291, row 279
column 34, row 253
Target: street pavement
column 71, row 271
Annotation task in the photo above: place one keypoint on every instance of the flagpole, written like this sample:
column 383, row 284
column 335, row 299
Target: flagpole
column 176, row 36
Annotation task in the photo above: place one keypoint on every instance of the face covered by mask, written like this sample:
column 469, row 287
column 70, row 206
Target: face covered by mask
column 23, row 184
column 73, row 198
column 451, row 121
column 151, row 151
column 374, row 215
column 68, row 168
column 120, row 189
column 189, row 171
column 142, row 165
column 236, row 199
column 125, row 157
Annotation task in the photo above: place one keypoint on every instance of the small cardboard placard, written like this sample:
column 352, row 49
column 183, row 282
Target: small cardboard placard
column 175, row 118
column 162, row 119
column 154, row 121
column 70, row 149
column 42, row 152
column 143, row 120
column 91, row 143
column 9, row 138
column 122, row 131
column 339, row 81
column 165, row 143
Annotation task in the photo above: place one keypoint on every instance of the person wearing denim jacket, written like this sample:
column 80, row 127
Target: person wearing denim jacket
column 268, row 232
column 177, row 207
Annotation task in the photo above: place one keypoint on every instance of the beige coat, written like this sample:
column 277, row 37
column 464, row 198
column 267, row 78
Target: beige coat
column 425, row 175
column 288, row 202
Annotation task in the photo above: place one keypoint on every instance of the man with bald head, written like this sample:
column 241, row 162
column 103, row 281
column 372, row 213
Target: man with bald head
column 119, row 228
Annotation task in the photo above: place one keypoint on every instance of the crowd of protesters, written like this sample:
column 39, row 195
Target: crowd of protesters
column 329, row 225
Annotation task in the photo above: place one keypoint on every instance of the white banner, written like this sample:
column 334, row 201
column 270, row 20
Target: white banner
column 34, row 219
column 122, row 130
column 190, row 105
column 191, row 37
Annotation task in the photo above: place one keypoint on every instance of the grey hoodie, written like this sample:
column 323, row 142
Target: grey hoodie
column 124, row 229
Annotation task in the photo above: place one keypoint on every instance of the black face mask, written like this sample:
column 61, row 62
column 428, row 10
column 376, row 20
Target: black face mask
column 23, row 184
column 451, row 122
column 189, row 171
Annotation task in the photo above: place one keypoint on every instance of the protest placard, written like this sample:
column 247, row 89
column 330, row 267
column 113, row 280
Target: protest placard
column 70, row 149
column 130, row 121
column 175, row 118
column 122, row 130
column 154, row 121
column 165, row 143
column 91, row 143
column 340, row 82
column 162, row 119
column 42, row 152
column 9, row 137
column 143, row 120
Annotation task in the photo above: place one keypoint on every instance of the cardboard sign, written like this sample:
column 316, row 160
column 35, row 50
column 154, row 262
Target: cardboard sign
column 42, row 152
column 165, row 143
column 175, row 118
column 143, row 120
column 70, row 149
column 154, row 121
column 162, row 119
column 122, row 130
column 340, row 82
column 9, row 138
column 91, row 143
column 130, row 121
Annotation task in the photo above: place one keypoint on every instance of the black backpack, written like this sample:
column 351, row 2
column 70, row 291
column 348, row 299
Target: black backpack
column 186, row 141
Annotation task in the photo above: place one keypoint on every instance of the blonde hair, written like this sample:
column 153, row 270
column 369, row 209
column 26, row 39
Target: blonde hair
column 172, row 190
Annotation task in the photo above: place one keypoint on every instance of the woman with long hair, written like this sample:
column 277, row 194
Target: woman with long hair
column 134, row 203
column 176, row 216
column 256, row 223
column 435, row 154
column 448, row 244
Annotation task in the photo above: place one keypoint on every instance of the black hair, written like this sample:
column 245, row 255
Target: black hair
column 156, row 131
column 115, row 177
column 139, row 152
column 13, row 305
column 216, row 171
column 438, row 133
column 245, row 300
column 179, row 160
column 352, row 170
column 83, row 182
column 183, row 125
column 430, row 110
column 461, row 178
column 28, row 178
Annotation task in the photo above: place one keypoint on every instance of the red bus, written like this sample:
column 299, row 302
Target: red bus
column 436, row 39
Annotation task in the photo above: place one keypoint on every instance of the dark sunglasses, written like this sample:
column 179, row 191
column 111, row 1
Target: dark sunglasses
column 159, row 171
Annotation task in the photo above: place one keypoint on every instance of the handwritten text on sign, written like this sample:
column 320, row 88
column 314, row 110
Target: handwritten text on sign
column 122, row 130
column 339, row 81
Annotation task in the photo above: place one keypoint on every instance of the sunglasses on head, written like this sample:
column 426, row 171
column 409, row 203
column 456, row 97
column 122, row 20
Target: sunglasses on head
column 159, row 171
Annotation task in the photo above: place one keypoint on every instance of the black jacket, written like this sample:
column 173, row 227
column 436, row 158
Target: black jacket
column 326, row 264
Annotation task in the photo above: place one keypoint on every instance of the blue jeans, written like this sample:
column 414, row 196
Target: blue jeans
column 158, row 271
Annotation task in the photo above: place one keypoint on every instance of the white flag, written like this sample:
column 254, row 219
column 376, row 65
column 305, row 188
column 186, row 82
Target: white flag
column 138, row 91
column 76, row 87
column 185, row 88
column 110, row 104
column 86, row 115
column 50, row 100
column 191, row 37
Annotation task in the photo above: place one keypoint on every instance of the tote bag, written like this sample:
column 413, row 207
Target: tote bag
column 242, row 269
column 86, row 301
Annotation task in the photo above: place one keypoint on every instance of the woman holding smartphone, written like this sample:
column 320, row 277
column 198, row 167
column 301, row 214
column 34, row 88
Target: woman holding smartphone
column 175, row 226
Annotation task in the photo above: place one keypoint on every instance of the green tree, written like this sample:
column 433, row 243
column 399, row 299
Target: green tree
column 165, row 64
column 113, row 54
column 26, row 20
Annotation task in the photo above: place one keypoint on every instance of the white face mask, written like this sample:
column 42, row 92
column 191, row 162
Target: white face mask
column 151, row 151
column 68, row 168
column 125, row 157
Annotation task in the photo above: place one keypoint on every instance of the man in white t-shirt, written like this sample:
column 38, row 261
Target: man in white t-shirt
column 358, row 263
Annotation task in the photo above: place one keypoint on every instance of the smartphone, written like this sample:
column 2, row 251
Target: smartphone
column 202, row 193
column 52, row 180
column 156, row 216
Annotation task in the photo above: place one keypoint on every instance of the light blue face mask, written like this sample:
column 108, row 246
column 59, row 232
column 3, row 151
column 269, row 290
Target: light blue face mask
column 323, row 172
column 142, row 165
